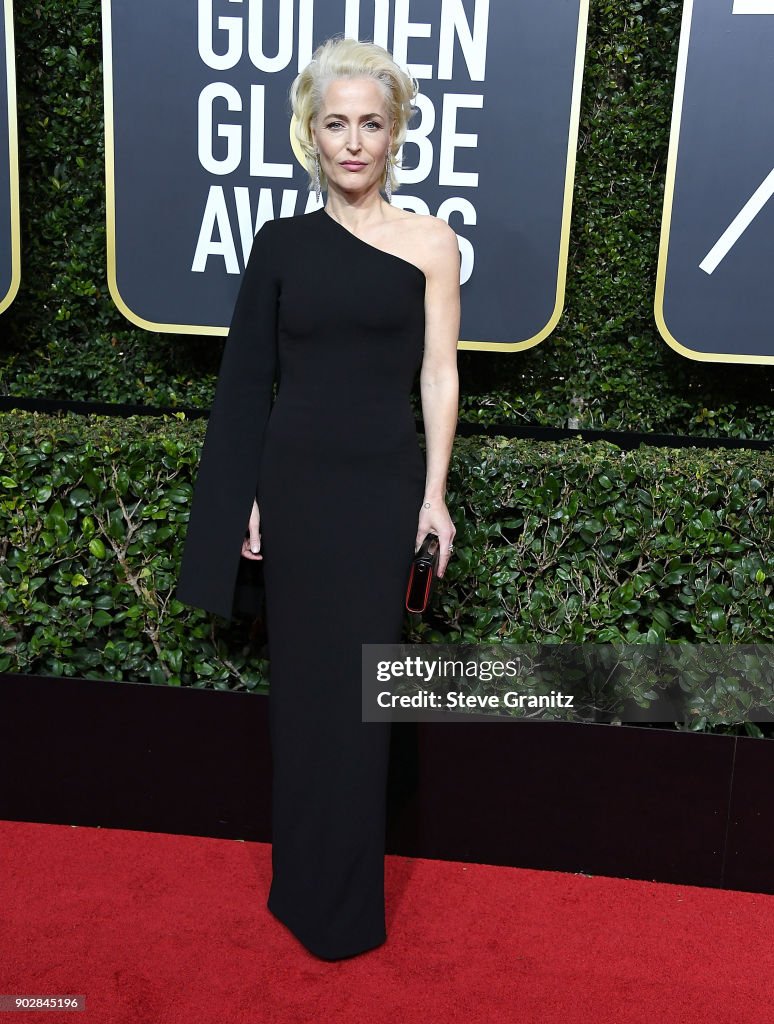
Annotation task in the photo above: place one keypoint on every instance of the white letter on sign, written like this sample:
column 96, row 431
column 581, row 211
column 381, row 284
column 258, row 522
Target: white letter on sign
column 753, row 7
column 259, row 168
column 231, row 132
column 381, row 21
column 233, row 29
column 451, row 139
column 419, row 136
column 284, row 53
column 215, row 217
column 403, row 29
column 473, row 43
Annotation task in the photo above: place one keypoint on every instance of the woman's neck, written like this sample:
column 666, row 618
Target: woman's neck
column 357, row 212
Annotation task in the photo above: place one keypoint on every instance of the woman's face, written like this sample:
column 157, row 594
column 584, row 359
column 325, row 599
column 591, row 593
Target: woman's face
column 353, row 134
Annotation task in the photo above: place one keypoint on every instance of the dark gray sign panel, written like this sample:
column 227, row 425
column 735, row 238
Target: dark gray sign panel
column 714, row 296
column 199, row 151
column 10, row 263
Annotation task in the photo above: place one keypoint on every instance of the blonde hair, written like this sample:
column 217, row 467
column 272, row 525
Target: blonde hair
column 339, row 58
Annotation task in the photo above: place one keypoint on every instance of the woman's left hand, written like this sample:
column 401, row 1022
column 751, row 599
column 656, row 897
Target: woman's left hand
column 436, row 519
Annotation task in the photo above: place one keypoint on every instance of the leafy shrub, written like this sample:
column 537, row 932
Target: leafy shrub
column 575, row 542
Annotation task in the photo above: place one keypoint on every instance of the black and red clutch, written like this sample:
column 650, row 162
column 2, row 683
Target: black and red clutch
column 423, row 571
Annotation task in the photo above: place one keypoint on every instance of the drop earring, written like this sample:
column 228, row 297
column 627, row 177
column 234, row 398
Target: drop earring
column 316, row 175
column 387, row 182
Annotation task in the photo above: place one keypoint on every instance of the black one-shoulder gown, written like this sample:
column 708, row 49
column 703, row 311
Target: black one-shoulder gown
column 339, row 476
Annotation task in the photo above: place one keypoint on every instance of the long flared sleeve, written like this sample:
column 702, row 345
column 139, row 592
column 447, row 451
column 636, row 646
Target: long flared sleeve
column 227, row 479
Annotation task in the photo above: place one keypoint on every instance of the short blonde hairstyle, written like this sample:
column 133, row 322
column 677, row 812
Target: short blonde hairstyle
column 339, row 58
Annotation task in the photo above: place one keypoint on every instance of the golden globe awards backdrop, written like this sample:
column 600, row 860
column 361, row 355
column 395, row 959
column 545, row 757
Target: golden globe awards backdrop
column 199, row 151
column 10, row 269
column 714, row 296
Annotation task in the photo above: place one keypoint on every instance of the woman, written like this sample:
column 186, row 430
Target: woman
column 346, row 303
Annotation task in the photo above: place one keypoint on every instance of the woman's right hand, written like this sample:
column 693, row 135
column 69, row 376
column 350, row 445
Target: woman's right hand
column 251, row 545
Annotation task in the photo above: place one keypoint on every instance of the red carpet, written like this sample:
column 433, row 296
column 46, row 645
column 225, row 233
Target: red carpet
column 162, row 929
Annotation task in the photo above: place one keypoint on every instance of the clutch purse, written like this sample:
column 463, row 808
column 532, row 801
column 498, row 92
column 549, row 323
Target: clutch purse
column 423, row 570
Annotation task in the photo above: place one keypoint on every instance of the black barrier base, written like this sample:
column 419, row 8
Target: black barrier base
column 623, row 801
column 624, row 439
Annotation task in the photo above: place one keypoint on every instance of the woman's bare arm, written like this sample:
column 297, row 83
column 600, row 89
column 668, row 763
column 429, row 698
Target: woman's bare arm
column 439, row 382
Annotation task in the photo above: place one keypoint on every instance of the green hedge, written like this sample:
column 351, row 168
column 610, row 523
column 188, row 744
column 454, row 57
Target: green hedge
column 557, row 543
column 604, row 365
column 585, row 543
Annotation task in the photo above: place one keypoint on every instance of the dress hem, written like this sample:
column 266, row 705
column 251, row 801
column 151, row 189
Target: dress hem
column 325, row 953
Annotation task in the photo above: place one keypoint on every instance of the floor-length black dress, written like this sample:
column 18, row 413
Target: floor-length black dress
column 339, row 477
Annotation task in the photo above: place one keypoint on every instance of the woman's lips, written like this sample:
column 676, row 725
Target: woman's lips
column 351, row 165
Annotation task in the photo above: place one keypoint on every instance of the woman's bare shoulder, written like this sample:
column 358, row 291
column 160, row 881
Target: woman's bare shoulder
column 433, row 241
column 426, row 222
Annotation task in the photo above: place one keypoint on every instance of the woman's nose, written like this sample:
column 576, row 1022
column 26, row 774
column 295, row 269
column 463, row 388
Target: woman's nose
column 353, row 142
